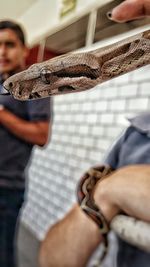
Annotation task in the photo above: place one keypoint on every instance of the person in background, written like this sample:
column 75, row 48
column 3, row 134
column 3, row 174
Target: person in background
column 72, row 240
column 22, row 125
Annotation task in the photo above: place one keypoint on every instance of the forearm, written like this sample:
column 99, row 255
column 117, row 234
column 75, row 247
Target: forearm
column 28, row 131
column 127, row 190
column 70, row 242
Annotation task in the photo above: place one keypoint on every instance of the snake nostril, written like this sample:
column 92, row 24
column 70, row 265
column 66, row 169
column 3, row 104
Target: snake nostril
column 10, row 85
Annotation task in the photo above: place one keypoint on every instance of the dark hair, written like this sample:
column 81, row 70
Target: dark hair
column 7, row 24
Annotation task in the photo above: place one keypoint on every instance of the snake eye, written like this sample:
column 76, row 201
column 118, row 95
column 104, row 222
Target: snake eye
column 45, row 76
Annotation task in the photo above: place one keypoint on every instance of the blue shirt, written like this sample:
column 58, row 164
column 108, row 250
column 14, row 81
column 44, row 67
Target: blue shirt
column 132, row 148
column 15, row 152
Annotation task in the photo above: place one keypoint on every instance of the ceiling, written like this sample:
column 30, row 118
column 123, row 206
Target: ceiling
column 74, row 36
column 71, row 37
column 13, row 9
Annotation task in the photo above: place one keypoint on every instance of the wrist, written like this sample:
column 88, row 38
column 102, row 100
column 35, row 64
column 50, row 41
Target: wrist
column 83, row 225
column 105, row 199
column 85, row 220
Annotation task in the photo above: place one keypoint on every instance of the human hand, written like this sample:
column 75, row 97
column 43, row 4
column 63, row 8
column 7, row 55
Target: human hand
column 130, row 10
column 125, row 190
column 1, row 107
column 2, row 111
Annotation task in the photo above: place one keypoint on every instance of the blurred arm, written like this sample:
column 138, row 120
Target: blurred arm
column 70, row 242
column 32, row 132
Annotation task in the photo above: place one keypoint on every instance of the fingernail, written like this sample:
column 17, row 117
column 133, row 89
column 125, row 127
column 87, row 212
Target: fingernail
column 109, row 15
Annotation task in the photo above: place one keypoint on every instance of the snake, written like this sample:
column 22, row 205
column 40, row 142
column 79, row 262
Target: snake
column 75, row 72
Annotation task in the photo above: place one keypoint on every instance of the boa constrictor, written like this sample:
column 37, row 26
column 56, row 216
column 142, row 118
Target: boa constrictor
column 82, row 71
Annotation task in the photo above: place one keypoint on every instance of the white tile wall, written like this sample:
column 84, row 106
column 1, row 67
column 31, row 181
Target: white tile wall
column 85, row 125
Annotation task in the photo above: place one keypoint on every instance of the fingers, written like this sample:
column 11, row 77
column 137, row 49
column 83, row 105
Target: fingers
column 130, row 10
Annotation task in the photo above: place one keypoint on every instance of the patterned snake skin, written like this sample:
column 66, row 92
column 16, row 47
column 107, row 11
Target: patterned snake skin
column 82, row 71
column 85, row 194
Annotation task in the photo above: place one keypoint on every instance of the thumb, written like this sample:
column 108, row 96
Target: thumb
column 128, row 10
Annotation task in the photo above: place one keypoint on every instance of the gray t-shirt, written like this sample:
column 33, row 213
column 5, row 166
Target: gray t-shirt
column 132, row 148
column 15, row 152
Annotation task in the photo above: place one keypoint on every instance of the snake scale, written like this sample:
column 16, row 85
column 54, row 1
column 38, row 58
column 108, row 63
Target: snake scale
column 78, row 72
column 82, row 71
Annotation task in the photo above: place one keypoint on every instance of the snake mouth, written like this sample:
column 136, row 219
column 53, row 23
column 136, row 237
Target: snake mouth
column 34, row 95
column 77, row 72
column 66, row 88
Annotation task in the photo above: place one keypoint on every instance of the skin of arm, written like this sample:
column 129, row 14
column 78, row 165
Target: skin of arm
column 130, row 10
column 32, row 132
column 127, row 190
column 71, row 241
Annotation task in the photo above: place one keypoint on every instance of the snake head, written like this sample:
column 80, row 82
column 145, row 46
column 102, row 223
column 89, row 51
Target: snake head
column 60, row 75
column 20, row 84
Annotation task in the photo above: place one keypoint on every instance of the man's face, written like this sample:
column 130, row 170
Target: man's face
column 12, row 51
